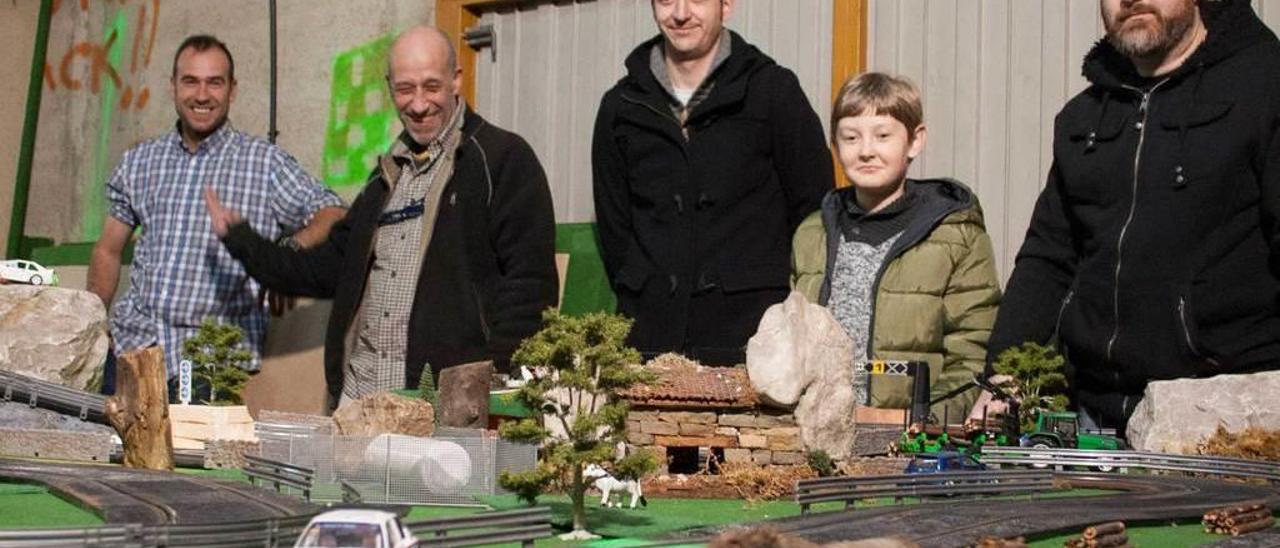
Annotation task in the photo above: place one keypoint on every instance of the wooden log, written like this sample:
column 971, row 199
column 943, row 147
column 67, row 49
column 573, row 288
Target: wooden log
column 1107, row 541
column 1253, row 526
column 1219, row 514
column 1247, row 517
column 140, row 409
column 1103, row 529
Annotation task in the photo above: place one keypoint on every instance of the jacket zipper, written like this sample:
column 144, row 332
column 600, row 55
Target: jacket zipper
column 1057, row 325
column 1186, row 331
column 1133, row 206
column 484, row 322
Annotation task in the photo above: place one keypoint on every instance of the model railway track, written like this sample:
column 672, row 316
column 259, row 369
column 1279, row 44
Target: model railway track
column 144, row 497
column 954, row 521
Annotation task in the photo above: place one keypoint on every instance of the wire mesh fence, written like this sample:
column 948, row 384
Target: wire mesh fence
column 454, row 466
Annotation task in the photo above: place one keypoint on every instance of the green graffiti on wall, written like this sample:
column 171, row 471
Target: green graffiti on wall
column 96, row 202
column 361, row 115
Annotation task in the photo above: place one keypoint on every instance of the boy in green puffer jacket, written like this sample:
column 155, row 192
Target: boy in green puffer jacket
column 904, row 265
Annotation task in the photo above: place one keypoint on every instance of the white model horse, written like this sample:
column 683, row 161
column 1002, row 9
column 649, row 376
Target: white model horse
column 607, row 484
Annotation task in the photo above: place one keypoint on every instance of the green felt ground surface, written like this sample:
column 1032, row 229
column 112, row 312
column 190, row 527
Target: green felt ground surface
column 25, row 506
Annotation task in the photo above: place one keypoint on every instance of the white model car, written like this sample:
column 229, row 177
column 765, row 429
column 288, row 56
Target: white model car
column 27, row 272
column 356, row 529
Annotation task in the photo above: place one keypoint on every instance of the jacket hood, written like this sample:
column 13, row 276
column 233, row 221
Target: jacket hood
column 744, row 59
column 1232, row 26
column 936, row 200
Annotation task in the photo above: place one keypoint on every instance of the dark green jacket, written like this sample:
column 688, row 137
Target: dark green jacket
column 936, row 297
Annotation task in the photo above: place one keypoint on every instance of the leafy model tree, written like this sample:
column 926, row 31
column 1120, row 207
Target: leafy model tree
column 579, row 365
column 1038, row 378
column 427, row 388
column 218, row 359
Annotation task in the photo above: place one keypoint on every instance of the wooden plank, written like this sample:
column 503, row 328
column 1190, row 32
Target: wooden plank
column 966, row 105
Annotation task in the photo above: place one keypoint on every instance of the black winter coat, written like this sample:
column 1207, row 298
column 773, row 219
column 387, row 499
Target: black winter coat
column 488, row 273
column 696, row 230
column 1153, row 251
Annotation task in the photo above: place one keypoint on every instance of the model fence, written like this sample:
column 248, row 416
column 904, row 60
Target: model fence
column 454, row 466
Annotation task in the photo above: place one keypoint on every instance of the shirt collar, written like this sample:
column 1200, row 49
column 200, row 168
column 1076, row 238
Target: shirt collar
column 658, row 61
column 401, row 152
column 209, row 144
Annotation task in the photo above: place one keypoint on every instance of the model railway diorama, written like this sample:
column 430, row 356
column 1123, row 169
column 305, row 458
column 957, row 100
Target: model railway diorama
column 1008, row 498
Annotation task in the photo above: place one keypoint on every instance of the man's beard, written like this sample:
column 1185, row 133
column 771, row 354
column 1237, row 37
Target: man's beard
column 1153, row 39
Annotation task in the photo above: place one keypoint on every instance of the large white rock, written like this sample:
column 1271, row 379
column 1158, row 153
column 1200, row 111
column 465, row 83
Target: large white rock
column 776, row 353
column 801, row 355
column 1175, row 416
column 51, row 333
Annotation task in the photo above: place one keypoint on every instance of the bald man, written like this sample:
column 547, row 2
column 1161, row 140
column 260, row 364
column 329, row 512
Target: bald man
column 446, row 257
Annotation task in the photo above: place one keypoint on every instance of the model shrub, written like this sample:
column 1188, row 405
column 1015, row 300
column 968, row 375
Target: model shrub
column 1039, row 379
column 218, row 359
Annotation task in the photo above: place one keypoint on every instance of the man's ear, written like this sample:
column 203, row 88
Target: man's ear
column 918, row 137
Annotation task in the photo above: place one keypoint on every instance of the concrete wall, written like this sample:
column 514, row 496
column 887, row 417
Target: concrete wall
column 107, row 87
column 18, row 26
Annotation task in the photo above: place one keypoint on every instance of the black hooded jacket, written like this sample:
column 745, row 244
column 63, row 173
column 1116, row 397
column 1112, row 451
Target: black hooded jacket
column 1153, row 251
column 696, row 218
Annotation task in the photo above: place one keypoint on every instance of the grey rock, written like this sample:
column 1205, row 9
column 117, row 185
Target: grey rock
column 1177, row 415
column 385, row 413
column 53, row 334
column 464, row 395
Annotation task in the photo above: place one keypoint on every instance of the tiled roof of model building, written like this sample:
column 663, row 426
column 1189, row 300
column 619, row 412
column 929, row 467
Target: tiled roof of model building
column 683, row 383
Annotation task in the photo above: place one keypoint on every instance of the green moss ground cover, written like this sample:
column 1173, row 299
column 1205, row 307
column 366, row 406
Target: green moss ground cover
column 29, row 506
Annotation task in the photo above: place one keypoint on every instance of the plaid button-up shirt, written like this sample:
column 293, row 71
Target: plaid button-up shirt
column 181, row 273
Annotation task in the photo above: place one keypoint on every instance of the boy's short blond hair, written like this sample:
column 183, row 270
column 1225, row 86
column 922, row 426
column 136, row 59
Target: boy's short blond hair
column 877, row 93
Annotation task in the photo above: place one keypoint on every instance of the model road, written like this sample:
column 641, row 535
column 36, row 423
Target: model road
column 962, row 522
column 147, row 497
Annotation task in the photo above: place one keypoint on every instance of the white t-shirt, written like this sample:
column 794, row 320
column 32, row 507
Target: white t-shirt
column 683, row 95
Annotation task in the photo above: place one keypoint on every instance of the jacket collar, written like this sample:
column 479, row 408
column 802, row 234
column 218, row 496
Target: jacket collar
column 1232, row 26
column 731, row 75
column 389, row 169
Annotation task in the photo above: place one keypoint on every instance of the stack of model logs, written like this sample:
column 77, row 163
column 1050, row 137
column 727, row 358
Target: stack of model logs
column 991, row 542
column 1101, row 535
column 1238, row 520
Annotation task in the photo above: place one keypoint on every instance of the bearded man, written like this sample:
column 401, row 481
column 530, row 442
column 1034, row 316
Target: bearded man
column 1153, row 251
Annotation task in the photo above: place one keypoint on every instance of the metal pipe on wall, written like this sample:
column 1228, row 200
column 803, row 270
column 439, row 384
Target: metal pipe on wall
column 271, row 105
column 27, row 152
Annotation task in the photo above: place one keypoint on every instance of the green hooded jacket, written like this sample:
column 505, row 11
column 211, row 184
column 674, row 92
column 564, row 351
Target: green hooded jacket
column 936, row 297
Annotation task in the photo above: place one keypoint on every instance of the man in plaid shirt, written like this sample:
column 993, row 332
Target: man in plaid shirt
column 180, row 273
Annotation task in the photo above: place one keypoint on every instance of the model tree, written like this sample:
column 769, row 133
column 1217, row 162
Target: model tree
column 218, row 359
column 579, row 365
column 1038, row 377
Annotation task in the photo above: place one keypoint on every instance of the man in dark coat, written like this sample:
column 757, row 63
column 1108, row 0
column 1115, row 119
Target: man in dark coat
column 446, row 257
column 706, row 157
column 1153, row 251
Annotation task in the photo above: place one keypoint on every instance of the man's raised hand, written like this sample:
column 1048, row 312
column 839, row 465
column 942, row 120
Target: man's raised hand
column 221, row 217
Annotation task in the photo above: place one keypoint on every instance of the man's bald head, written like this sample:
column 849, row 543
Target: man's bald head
column 422, row 39
column 422, row 72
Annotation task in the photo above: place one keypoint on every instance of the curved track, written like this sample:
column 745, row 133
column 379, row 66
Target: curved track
column 125, row 495
column 963, row 522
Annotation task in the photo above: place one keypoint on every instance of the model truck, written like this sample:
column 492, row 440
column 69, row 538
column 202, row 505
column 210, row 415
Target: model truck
column 1052, row 429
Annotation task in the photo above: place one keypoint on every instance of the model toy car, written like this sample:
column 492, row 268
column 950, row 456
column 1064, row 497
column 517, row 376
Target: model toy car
column 27, row 272
column 943, row 461
column 357, row 528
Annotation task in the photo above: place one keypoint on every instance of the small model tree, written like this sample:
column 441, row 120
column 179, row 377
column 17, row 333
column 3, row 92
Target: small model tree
column 1039, row 377
column 579, row 365
column 427, row 388
column 218, row 359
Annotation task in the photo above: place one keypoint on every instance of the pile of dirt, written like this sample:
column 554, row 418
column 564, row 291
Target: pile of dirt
column 1253, row 443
